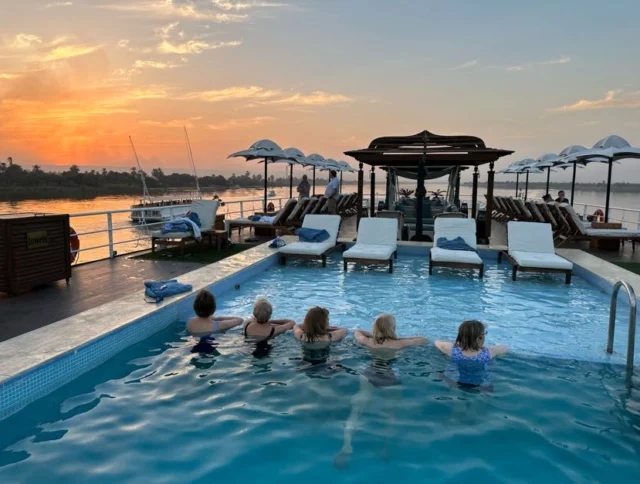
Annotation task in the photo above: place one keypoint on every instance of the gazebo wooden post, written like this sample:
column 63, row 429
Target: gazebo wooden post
column 489, row 211
column 372, row 202
column 474, row 193
column 314, row 180
column 291, row 181
column 340, row 181
column 456, row 198
column 360, row 193
column 517, row 182
column 387, row 195
column 421, row 191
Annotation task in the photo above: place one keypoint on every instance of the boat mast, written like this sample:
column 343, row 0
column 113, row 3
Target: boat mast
column 145, row 191
column 193, row 163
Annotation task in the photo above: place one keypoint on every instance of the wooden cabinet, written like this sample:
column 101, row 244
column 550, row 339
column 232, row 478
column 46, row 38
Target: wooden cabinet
column 34, row 250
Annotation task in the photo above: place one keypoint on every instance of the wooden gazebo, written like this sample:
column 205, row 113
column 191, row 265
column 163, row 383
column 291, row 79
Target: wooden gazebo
column 427, row 155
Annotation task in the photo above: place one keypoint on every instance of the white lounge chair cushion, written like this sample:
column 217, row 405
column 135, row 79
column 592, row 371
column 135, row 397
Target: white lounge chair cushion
column 540, row 260
column 530, row 237
column 306, row 248
column 171, row 235
column 378, row 231
column 446, row 255
column 456, row 227
column 621, row 233
column 370, row 251
column 330, row 223
column 206, row 210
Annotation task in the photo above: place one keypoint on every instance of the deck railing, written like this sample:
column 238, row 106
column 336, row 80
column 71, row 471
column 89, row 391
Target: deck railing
column 101, row 228
column 628, row 217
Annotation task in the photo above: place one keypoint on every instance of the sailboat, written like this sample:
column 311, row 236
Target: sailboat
column 161, row 209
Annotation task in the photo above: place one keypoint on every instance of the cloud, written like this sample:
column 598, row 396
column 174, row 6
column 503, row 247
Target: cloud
column 24, row 41
column 466, row 64
column 148, row 92
column 561, row 60
column 244, row 5
column 232, row 93
column 613, row 99
column 316, row 98
column 169, row 9
column 69, row 51
column 194, row 46
column 149, row 64
column 174, row 123
column 123, row 43
column 58, row 4
column 518, row 68
column 8, row 77
column 241, row 123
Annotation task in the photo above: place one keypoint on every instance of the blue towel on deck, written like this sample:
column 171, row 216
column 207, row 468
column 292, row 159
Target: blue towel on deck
column 312, row 235
column 255, row 218
column 456, row 244
column 195, row 218
column 158, row 290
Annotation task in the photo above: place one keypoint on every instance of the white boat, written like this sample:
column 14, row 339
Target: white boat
column 160, row 209
column 272, row 193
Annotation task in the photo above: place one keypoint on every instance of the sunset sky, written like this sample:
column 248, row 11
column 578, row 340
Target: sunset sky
column 78, row 76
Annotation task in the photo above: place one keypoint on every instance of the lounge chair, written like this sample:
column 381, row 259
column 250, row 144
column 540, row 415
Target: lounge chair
column 533, row 208
column 451, row 228
column 395, row 215
column 206, row 210
column 581, row 231
column 278, row 223
column 376, row 243
column 296, row 213
column 314, row 250
column 531, row 250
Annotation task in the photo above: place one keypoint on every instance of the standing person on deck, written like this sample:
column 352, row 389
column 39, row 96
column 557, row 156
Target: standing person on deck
column 303, row 188
column 332, row 192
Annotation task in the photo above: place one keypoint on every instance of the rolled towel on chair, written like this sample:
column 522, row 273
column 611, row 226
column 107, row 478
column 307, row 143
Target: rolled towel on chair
column 312, row 235
column 456, row 244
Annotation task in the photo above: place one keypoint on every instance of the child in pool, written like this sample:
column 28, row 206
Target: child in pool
column 204, row 325
column 469, row 355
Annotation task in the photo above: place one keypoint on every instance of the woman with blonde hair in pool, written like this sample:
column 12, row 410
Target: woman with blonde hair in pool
column 469, row 356
column 261, row 327
column 384, row 344
column 316, row 335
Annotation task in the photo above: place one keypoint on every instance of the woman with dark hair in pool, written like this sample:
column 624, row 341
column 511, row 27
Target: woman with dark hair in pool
column 384, row 345
column 204, row 325
column 316, row 335
column 469, row 356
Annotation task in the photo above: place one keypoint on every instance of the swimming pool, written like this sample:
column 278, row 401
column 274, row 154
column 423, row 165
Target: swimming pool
column 156, row 412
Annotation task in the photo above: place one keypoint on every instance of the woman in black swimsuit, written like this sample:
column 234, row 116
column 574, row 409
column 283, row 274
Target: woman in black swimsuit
column 260, row 328
column 316, row 335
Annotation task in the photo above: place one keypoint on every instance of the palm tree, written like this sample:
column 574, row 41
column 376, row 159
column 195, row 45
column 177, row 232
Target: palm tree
column 36, row 169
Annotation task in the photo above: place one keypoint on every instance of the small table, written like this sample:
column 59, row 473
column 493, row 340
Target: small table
column 605, row 244
column 220, row 237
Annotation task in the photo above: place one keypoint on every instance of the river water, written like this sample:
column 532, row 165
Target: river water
column 126, row 230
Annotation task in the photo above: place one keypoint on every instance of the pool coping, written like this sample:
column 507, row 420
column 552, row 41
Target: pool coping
column 76, row 342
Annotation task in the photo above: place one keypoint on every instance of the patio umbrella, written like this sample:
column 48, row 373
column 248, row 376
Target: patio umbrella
column 567, row 155
column 527, row 166
column 293, row 157
column 608, row 150
column 548, row 161
column 265, row 149
column 344, row 166
column 513, row 168
column 315, row 160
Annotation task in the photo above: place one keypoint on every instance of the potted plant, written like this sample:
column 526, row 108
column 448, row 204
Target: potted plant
column 219, row 224
column 404, row 193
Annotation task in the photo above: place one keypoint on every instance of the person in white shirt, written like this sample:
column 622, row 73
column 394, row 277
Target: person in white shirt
column 332, row 192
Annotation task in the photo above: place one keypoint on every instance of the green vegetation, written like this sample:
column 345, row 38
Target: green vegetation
column 16, row 183
column 200, row 253
column 566, row 186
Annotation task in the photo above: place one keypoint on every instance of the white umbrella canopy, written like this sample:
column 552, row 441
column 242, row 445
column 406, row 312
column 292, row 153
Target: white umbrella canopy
column 548, row 161
column 608, row 150
column 266, row 149
column 528, row 165
column 346, row 166
column 293, row 156
column 316, row 161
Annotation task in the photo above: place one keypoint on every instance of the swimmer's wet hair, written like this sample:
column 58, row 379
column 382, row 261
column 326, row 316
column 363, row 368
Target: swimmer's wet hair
column 384, row 327
column 204, row 304
column 469, row 334
column 262, row 310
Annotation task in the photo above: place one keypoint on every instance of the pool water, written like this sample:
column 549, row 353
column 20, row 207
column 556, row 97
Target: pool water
column 158, row 413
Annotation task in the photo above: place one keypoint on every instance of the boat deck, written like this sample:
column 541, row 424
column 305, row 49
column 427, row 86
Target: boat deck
column 97, row 283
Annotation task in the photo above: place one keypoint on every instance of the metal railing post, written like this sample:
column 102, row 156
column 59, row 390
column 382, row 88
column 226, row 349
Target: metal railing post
column 110, row 233
column 631, row 343
column 241, row 209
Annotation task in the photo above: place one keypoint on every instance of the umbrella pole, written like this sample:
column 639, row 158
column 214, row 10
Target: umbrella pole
column 517, row 181
column 290, row 181
column 341, row 182
column 314, row 180
column 526, row 187
column 265, row 186
column 606, row 205
column 548, row 176
column 573, row 181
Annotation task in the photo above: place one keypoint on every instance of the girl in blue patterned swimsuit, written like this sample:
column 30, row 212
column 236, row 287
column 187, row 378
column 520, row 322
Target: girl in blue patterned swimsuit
column 469, row 356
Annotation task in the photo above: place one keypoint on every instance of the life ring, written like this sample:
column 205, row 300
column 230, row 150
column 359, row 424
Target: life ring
column 74, row 244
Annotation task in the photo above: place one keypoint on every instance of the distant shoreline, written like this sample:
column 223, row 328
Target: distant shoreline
column 584, row 187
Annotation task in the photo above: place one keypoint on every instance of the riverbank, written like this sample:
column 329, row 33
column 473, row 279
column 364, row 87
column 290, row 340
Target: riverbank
column 585, row 187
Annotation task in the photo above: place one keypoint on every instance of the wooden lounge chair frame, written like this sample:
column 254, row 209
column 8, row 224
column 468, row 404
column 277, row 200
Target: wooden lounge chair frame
column 456, row 265
column 322, row 257
column 567, row 272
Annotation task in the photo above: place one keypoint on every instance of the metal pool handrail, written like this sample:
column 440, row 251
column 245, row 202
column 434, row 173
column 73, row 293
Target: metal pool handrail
column 632, row 321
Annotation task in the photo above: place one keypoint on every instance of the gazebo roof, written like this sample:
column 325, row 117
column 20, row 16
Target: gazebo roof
column 439, row 152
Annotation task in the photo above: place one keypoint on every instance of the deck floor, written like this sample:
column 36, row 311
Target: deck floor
column 97, row 283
